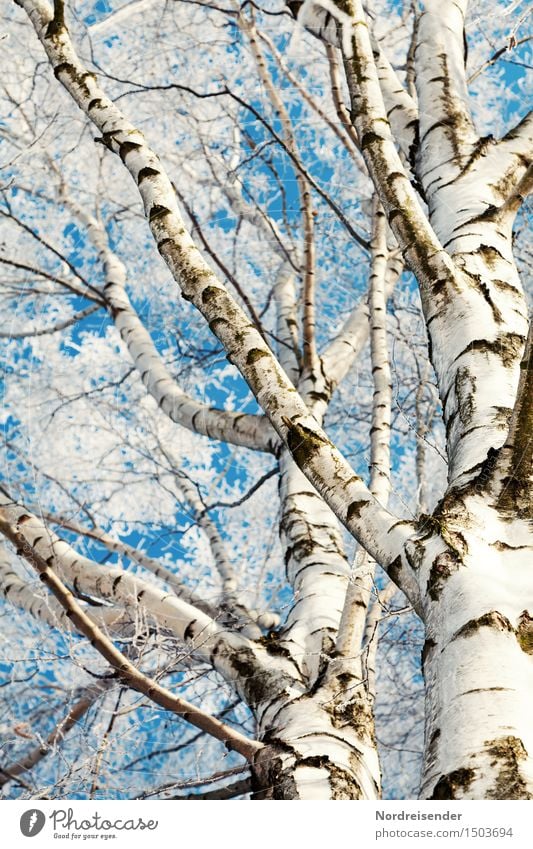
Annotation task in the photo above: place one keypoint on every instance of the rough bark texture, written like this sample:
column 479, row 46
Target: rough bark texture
column 444, row 206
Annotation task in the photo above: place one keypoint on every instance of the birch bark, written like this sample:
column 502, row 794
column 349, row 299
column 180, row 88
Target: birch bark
column 471, row 555
column 450, row 199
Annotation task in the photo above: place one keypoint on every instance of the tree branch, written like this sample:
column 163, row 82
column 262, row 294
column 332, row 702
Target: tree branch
column 55, row 328
column 241, row 429
column 376, row 528
column 232, row 739
column 84, row 703
column 221, row 648
column 150, row 563
column 447, row 132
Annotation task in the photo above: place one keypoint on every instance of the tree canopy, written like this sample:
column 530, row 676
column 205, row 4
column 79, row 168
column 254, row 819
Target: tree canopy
column 241, row 495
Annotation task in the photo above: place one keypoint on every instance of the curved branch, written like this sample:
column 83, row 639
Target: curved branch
column 231, row 738
column 150, row 563
column 241, row 429
column 44, row 609
column 205, row 637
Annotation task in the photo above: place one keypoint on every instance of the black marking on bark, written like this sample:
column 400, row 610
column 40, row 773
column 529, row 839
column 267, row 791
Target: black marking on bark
column 370, row 138
column 354, row 509
column 443, row 566
column 395, row 569
column 188, row 634
column 146, row 173
column 506, row 287
column 158, row 211
column 433, row 745
column 303, row 443
column 492, row 619
column 486, row 690
column 444, row 122
column 448, row 785
column 491, row 256
column 413, row 149
column 313, row 395
column 524, row 632
column 63, row 66
column 215, row 322
column 487, row 468
column 465, row 389
column 500, row 545
column 480, row 149
column 256, row 682
column 116, row 582
column 482, row 287
column 163, row 244
column 516, row 498
column 254, row 355
column 398, row 524
column 506, row 346
column 439, row 287
column 507, row 752
column 271, row 642
column 129, row 147
column 55, row 27
column 395, row 175
column 210, row 293
column 428, row 647
column 270, row 778
column 485, row 291
column 107, row 139
column 96, row 101
column 300, row 549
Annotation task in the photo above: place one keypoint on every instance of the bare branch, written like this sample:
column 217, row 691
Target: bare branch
column 232, row 739
column 85, row 701
column 55, row 328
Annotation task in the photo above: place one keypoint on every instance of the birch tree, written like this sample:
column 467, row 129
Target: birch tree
column 267, row 393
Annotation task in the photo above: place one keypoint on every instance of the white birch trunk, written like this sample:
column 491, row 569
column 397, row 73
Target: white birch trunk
column 478, row 658
column 466, row 568
column 316, row 568
column 317, row 747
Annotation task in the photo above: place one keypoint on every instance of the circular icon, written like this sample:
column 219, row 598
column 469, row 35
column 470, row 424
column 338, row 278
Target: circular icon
column 32, row 822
